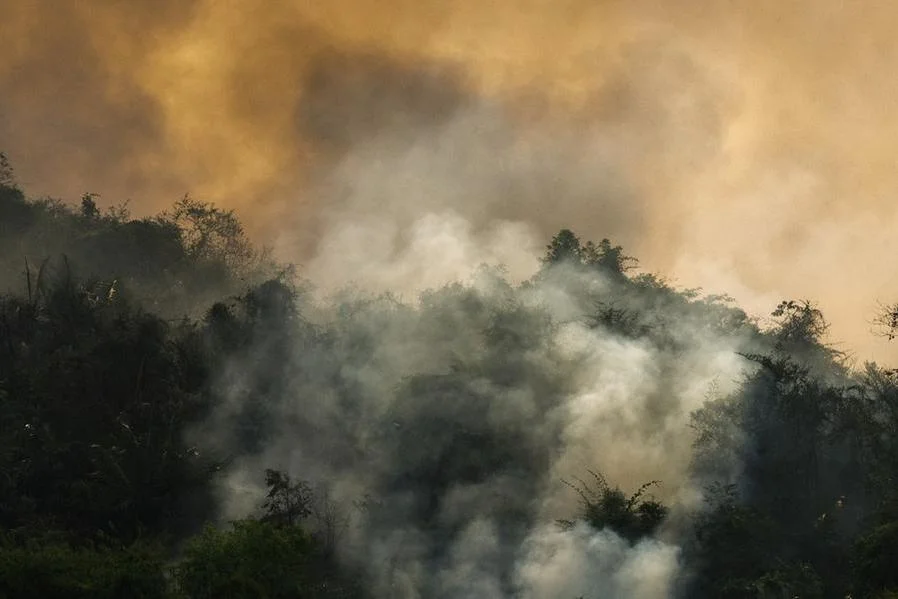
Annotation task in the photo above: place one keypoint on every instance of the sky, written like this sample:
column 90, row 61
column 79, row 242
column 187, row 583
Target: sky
column 744, row 148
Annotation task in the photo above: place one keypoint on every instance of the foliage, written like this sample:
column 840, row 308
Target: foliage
column 604, row 506
column 287, row 502
column 122, row 339
column 273, row 557
column 566, row 248
column 97, row 395
column 733, row 557
column 812, row 443
column 7, row 178
column 887, row 321
column 251, row 559
column 210, row 234
column 875, row 556
column 57, row 570
column 174, row 263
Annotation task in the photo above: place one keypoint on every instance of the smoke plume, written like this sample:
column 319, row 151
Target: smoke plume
column 440, row 431
column 742, row 150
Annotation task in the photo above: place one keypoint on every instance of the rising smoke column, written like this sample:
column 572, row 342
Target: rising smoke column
column 440, row 429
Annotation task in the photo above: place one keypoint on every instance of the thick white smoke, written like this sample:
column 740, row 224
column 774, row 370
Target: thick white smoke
column 440, row 428
column 585, row 563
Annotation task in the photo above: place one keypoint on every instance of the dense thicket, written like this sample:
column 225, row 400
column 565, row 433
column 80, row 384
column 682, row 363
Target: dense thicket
column 140, row 358
column 172, row 263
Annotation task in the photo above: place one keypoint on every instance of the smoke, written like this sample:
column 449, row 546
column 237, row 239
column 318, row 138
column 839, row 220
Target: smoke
column 745, row 151
column 581, row 562
column 395, row 146
column 440, row 429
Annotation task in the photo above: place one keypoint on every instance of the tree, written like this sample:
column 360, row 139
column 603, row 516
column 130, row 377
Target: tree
column 287, row 502
column 98, row 396
column 211, row 234
column 799, row 323
column 875, row 556
column 273, row 557
column 564, row 248
column 251, row 559
column 89, row 208
column 56, row 569
column 7, row 176
column 887, row 321
column 607, row 258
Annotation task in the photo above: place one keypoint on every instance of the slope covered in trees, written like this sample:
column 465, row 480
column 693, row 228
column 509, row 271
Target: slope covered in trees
column 179, row 417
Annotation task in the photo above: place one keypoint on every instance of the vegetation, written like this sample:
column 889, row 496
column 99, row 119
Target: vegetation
column 119, row 340
column 633, row 517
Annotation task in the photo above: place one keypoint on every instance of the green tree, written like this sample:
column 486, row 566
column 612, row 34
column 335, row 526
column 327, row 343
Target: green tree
column 89, row 208
column 98, row 396
column 564, row 248
column 56, row 570
column 250, row 560
column 607, row 258
column 632, row 517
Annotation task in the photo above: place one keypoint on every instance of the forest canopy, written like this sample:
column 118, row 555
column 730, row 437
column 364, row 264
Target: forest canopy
column 180, row 417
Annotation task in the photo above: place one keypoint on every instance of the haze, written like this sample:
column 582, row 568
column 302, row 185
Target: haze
column 745, row 148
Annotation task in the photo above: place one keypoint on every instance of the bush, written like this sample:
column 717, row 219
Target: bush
column 252, row 559
column 59, row 571
column 604, row 506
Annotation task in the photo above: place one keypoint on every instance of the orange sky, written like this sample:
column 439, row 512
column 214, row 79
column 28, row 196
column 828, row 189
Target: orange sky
column 741, row 147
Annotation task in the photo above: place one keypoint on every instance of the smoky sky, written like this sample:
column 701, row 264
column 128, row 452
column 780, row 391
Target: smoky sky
column 744, row 148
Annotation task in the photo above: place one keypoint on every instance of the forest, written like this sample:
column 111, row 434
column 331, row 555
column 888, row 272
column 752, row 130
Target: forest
column 183, row 417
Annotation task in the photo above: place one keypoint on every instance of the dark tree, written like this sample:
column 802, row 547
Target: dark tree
column 564, row 248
